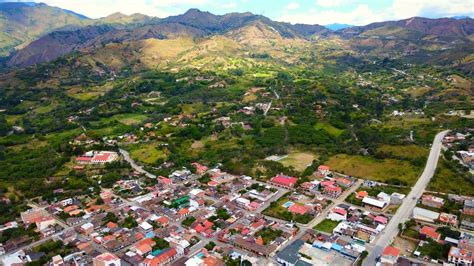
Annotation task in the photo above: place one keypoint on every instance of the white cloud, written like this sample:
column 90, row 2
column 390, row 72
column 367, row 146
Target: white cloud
column 401, row 9
column 331, row 3
column 96, row 8
column 228, row 5
column 361, row 15
column 293, row 6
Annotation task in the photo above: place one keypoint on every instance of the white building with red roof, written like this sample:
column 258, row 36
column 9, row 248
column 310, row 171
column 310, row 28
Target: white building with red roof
column 106, row 259
column 94, row 157
column 390, row 255
column 284, row 181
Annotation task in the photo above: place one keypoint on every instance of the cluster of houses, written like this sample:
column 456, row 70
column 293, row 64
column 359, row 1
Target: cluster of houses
column 246, row 235
column 431, row 216
column 358, row 224
column 327, row 183
column 315, row 248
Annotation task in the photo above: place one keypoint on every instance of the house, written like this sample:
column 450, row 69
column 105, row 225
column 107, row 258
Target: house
column 87, row 228
column 381, row 219
column 298, row 209
column 337, row 214
column 344, row 182
column 459, row 256
column 425, row 215
column 163, row 258
column 382, row 196
column 390, row 255
column 430, row 232
column 332, row 191
column 32, row 215
column 45, row 222
column 200, row 169
column 361, row 194
column 57, row 260
column 284, row 181
column 432, row 201
column 374, row 204
column 448, row 219
column 467, row 242
column 396, row 198
column 324, row 170
column 468, row 207
column 106, row 259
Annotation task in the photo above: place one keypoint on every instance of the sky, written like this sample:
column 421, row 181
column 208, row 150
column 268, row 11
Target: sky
column 323, row 12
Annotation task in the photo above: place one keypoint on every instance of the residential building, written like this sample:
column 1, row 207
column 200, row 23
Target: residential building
column 163, row 258
column 337, row 214
column 374, row 204
column 467, row 242
column 430, row 232
column 324, row 170
column 284, row 181
column 432, row 201
column 448, row 219
column 106, row 259
column 468, row 207
column 425, row 215
column 32, row 215
column 390, row 255
column 459, row 256
column 332, row 191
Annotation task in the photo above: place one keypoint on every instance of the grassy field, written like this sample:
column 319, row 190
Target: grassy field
column 336, row 132
column 405, row 151
column 147, row 153
column 299, row 160
column 447, row 181
column 129, row 119
column 373, row 169
column 326, row 226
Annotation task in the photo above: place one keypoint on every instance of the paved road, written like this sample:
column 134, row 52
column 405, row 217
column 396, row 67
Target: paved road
column 135, row 166
column 409, row 203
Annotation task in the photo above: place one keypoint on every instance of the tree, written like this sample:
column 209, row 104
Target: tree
column 210, row 245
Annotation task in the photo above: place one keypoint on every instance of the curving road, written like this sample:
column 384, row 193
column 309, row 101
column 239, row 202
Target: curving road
column 135, row 166
column 405, row 210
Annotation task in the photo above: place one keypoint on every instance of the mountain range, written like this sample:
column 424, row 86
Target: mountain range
column 37, row 33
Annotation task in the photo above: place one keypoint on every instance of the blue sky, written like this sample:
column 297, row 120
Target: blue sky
column 356, row 12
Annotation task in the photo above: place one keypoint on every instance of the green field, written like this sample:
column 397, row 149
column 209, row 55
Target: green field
column 447, row 181
column 326, row 226
column 336, row 132
column 147, row 153
column 404, row 151
column 386, row 170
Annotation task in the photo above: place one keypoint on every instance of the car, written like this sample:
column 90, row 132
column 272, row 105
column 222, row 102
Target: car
column 414, row 198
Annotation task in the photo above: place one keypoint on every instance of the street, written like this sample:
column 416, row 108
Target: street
column 409, row 203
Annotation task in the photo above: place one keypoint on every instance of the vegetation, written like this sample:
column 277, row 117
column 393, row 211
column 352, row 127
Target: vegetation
column 326, row 226
column 268, row 234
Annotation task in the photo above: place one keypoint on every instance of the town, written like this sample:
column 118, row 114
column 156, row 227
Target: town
column 205, row 216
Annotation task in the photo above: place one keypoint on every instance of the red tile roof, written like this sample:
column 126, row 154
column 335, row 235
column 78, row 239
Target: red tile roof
column 391, row 251
column 284, row 180
column 430, row 232
column 296, row 208
column 163, row 257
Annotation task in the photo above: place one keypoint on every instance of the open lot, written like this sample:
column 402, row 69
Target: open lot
column 326, row 226
column 405, row 151
column 386, row 170
column 447, row 181
column 299, row 160
column 147, row 153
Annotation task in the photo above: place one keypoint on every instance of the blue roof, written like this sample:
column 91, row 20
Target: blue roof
column 336, row 247
column 150, row 234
